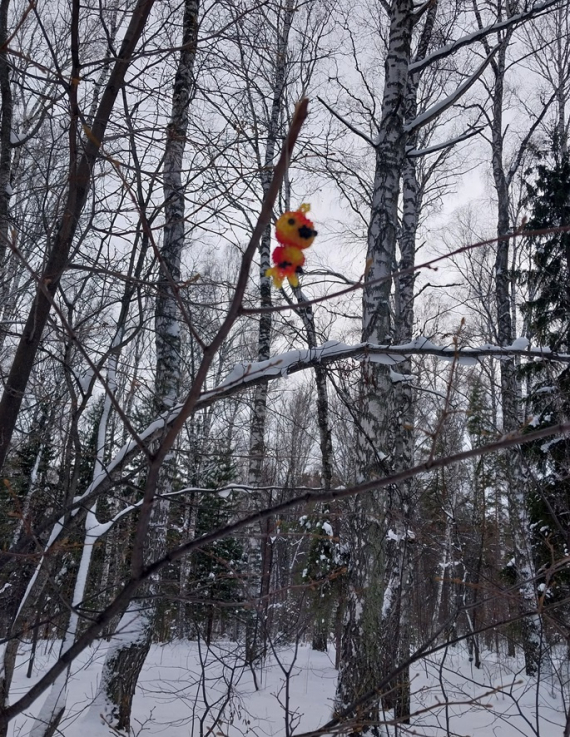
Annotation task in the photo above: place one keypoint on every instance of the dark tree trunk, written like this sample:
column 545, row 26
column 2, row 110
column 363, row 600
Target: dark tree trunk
column 124, row 667
column 362, row 664
column 260, row 552
column 510, row 390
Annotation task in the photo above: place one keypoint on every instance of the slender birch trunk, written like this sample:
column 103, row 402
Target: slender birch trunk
column 510, row 391
column 360, row 666
column 5, row 140
column 256, row 444
column 324, row 594
column 6, row 126
column 54, row 706
column 131, row 642
column 260, row 553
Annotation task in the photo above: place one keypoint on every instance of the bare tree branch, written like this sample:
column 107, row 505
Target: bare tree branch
column 481, row 33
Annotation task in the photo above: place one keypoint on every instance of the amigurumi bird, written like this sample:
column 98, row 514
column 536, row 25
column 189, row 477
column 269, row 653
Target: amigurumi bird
column 295, row 232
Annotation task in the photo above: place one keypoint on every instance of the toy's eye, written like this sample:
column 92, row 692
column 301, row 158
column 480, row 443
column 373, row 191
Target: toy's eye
column 291, row 221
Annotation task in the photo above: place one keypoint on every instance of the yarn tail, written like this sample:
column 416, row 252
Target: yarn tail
column 276, row 276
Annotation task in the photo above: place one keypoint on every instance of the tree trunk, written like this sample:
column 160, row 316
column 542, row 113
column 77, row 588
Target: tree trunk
column 260, row 552
column 361, row 660
column 5, row 150
column 133, row 638
column 324, row 593
column 325, row 435
column 510, row 392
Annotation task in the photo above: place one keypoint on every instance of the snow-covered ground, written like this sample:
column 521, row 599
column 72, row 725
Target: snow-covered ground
column 190, row 691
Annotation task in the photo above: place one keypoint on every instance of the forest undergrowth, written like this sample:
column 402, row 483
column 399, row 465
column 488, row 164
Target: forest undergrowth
column 187, row 689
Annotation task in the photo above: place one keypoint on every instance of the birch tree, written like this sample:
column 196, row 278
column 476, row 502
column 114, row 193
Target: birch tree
column 505, row 166
column 271, row 73
column 5, row 133
column 135, row 628
column 159, row 379
column 369, row 569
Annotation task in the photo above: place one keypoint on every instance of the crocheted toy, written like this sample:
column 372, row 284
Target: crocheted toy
column 295, row 232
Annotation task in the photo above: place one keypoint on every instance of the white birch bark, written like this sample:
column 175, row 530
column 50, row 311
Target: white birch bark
column 53, row 708
column 131, row 642
column 361, row 661
column 510, row 390
column 6, row 111
column 395, row 628
column 5, row 130
column 257, row 453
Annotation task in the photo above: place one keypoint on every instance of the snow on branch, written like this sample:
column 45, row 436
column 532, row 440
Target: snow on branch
column 436, row 110
column 290, row 362
column 299, row 360
column 479, row 34
column 247, row 375
column 415, row 152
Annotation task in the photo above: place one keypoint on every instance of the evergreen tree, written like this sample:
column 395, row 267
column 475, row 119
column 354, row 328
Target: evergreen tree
column 324, row 572
column 548, row 318
column 216, row 568
column 548, row 309
column 27, row 487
